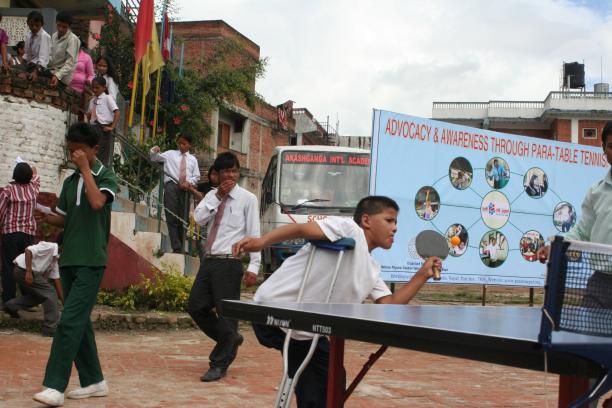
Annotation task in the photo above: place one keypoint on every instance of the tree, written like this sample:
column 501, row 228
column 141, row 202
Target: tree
column 225, row 76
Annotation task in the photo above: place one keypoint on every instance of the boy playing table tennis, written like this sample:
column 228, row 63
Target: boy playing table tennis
column 374, row 225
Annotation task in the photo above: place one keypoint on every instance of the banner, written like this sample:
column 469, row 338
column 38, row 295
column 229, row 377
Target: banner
column 496, row 197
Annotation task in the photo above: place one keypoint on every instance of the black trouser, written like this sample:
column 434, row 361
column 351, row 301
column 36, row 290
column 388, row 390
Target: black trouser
column 13, row 244
column 106, row 146
column 598, row 292
column 39, row 291
column 175, row 200
column 311, row 388
column 217, row 279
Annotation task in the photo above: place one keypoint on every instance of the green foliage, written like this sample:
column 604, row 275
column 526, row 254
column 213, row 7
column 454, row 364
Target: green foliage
column 166, row 291
column 135, row 168
column 227, row 74
column 117, row 42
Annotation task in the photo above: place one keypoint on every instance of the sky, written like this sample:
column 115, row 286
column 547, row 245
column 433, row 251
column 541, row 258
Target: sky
column 342, row 58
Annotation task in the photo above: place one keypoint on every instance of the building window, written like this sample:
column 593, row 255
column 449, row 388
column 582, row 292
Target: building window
column 224, row 135
column 589, row 133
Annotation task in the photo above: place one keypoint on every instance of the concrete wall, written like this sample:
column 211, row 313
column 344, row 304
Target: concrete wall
column 32, row 126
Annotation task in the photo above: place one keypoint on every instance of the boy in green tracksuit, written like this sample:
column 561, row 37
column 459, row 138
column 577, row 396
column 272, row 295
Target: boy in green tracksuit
column 84, row 209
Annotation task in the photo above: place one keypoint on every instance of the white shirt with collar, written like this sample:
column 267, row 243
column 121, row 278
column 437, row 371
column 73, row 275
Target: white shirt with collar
column 37, row 48
column 172, row 165
column 240, row 219
column 105, row 108
column 358, row 278
column 44, row 259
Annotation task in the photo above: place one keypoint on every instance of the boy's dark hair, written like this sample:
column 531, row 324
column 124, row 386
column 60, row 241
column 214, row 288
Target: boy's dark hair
column 109, row 63
column 20, row 44
column 606, row 132
column 22, row 173
column 36, row 16
column 64, row 17
column 185, row 136
column 85, row 133
column 99, row 80
column 372, row 205
column 226, row 160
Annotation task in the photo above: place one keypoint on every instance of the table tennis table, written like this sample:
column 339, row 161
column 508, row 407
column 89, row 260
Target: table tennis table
column 563, row 337
column 499, row 335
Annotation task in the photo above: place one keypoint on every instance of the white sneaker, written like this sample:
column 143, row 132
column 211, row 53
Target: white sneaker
column 94, row 390
column 50, row 397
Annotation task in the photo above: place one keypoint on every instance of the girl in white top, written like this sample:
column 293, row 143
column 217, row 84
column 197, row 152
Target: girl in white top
column 106, row 69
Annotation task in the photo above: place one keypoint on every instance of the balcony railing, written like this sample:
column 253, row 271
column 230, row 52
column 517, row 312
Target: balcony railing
column 546, row 103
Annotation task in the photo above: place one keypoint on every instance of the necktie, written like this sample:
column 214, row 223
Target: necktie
column 215, row 227
column 183, row 169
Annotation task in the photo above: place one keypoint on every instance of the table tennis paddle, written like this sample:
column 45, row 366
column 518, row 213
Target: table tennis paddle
column 430, row 243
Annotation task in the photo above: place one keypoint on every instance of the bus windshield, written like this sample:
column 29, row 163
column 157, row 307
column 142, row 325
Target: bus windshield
column 332, row 180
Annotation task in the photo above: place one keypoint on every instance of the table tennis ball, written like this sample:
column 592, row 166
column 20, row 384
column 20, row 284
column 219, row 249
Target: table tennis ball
column 455, row 240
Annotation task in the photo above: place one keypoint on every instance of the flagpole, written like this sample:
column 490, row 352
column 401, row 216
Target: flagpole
column 142, row 114
column 133, row 99
column 181, row 61
column 159, row 72
column 163, row 25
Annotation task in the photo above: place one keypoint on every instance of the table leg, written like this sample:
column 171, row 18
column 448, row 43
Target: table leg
column 336, row 376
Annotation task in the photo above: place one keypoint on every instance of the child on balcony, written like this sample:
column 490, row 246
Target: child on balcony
column 104, row 113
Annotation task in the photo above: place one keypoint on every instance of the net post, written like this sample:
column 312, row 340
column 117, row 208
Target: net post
column 554, row 289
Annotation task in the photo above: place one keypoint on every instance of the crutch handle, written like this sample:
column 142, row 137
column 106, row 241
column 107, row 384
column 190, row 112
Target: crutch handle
column 343, row 244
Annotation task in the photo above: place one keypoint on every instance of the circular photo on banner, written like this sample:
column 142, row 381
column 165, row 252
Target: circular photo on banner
column 535, row 182
column 493, row 248
column 564, row 216
column 457, row 237
column 460, row 173
column 497, row 173
column 495, row 209
column 427, row 203
column 531, row 241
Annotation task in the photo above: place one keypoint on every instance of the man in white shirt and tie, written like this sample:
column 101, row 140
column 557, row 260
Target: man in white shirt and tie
column 231, row 213
column 181, row 175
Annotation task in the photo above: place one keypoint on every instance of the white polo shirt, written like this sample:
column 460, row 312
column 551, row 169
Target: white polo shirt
column 358, row 277
column 105, row 108
column 44, row 259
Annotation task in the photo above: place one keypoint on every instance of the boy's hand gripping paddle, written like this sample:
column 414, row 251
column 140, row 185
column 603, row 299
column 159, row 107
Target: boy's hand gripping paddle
column 431, row 243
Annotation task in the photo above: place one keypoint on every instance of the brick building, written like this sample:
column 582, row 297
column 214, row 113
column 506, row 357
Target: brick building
column 568, row 116
column 251, row 134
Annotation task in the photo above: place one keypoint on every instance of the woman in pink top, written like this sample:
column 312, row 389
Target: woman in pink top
column 83, row 71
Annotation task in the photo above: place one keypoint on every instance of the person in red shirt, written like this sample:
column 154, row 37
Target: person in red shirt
column 18, row 226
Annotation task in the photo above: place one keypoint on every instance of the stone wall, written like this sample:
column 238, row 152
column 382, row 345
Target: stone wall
column 33, row 121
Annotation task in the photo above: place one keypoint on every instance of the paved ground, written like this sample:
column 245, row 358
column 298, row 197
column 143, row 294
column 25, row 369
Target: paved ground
column 162, row 369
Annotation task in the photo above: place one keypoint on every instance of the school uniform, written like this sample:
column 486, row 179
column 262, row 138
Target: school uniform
column 358, row 279
column 82, row 263
column 37, row 48
column 44, row 268
column 102, row 109
column 17, row 203
column 177, row 167
column 220, row 274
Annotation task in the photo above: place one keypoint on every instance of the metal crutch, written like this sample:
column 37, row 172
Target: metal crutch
column 287, row 385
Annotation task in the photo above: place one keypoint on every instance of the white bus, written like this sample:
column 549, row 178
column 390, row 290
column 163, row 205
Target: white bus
column 305, row 183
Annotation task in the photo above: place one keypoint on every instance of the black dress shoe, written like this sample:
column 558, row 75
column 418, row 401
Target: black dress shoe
column 213, row 374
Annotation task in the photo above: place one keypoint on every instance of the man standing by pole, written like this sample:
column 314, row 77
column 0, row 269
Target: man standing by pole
column 231, row 213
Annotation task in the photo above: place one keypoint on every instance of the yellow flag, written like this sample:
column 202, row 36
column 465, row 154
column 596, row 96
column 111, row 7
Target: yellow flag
column 152, row 60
